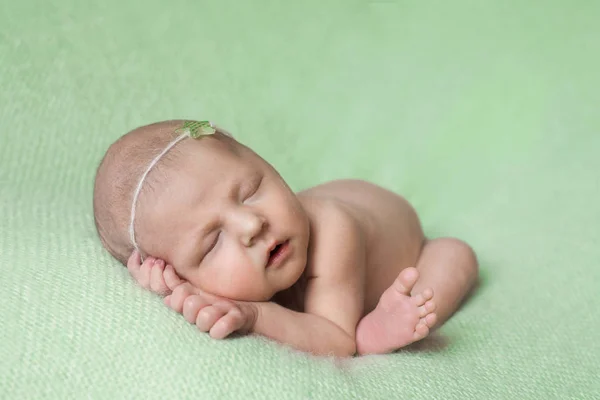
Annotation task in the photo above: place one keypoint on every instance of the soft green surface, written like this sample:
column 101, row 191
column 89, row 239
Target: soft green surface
column 486, row 116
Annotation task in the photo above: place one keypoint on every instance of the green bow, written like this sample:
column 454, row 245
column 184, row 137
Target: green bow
column 197, row 129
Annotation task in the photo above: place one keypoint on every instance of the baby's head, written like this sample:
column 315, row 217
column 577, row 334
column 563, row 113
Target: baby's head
column 211, row 207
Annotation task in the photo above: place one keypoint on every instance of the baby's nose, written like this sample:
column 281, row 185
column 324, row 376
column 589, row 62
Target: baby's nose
column 252, row 226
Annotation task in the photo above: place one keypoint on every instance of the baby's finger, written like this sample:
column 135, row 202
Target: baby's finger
column 157, row 282
column 133, row 263
column 192, row 306
column 208, row 316
column 178, row 296
column 228, row 324
column 172, row 280
column 143, row 276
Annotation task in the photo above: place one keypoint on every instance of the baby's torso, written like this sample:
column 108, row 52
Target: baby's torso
column 392, row 230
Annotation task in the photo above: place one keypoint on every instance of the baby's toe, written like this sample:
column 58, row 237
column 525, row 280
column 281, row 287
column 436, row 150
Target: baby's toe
column 421, row 298
column 428, row 294
column 418, row 299
column 405, row 282
column 431, row 319
column 426, row 308
column 421, row 331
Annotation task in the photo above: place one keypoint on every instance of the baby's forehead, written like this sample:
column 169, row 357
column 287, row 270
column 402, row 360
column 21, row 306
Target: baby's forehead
column 199, row 172
column 203, row 166
column 213, row 153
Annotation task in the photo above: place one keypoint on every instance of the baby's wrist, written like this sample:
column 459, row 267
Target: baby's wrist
column 251, row 312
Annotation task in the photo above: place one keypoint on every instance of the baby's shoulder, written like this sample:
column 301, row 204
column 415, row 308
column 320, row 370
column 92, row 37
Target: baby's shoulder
column 340, row 188
column 336, row 237
column 355, row 193
column 324, row 211
column 375, row 210
column 359, row 199
column 332, row 218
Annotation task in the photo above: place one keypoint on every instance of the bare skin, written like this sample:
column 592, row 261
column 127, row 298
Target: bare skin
column 357, row 274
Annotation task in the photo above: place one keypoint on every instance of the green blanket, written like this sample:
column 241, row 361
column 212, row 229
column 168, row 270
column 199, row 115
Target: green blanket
column 485, row 115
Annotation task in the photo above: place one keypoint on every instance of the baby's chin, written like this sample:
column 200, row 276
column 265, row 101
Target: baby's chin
column 251, row 294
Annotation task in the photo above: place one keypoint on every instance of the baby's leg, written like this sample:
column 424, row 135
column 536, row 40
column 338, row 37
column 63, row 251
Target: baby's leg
column 405, row 312
column 448, row 266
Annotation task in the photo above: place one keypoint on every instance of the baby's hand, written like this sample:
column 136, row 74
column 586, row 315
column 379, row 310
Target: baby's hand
column 153, row 275
column 216, row 315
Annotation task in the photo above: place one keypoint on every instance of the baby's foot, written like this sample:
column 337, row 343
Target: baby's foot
column 399, row 318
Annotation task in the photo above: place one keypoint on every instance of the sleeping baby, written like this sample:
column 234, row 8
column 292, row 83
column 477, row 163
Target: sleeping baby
column 342, row 268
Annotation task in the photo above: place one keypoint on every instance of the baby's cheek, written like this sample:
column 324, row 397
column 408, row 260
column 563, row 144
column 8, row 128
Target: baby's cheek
column 242, row 284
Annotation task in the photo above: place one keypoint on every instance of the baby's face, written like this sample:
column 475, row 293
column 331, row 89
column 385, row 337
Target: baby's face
column 227, row 222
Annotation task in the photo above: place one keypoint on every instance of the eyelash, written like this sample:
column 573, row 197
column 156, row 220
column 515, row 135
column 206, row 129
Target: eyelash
column 254, row 190
column 214, row 243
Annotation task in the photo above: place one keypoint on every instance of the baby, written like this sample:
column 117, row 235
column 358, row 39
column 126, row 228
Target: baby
column 337, row 269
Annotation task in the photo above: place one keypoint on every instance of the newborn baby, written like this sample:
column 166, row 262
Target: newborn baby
column 340, row 268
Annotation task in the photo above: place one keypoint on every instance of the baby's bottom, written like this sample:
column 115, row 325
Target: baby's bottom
column 420, row 298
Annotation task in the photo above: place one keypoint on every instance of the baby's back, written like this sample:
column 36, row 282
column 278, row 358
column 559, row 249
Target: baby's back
column 393, row 231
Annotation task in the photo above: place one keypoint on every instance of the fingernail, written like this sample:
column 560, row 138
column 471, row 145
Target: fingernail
column 159, row 263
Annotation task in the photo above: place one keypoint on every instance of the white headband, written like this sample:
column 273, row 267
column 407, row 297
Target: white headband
column 191, row 129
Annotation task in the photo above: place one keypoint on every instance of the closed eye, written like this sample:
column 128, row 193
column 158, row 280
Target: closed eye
column 253, row 188
column 213, row 244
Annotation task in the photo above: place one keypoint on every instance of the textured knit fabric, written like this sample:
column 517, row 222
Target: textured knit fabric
column 485, row 115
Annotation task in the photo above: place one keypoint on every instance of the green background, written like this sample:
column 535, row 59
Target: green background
column 485, row 115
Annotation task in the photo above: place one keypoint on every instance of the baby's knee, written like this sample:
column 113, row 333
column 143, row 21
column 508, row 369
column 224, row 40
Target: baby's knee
column 462, row 252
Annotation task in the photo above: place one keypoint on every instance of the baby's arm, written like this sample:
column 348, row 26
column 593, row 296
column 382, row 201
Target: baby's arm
column 303, row 331
column 221, row 317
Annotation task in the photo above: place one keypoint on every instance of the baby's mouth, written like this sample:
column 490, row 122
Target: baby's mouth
column 278, row 253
